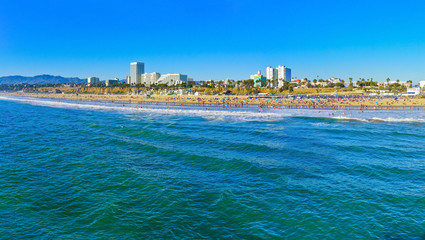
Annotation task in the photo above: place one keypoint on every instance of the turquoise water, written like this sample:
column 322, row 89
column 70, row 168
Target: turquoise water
column 72, row 170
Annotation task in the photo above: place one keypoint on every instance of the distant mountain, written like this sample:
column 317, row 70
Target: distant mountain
column 40, row 79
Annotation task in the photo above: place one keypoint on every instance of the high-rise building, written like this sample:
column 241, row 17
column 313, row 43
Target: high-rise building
column 172, row 79
column 136, row 70
column 283, row 74
column 127, row 80
column 92, row 81
column 149, row 78
column 271, row 74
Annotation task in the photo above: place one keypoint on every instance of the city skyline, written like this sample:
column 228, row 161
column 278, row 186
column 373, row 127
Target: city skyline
column 214, row 39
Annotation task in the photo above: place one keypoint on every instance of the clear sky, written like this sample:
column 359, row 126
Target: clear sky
column 214, row 39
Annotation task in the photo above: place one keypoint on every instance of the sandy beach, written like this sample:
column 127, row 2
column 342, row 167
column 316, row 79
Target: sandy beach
column 238, row 100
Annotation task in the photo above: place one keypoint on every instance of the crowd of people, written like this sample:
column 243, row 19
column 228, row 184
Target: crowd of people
column 330, row 102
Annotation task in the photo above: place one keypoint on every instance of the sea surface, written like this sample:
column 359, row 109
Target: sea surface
column 103, row 170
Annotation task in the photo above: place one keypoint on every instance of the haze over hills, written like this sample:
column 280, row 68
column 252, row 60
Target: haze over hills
column 40, row 79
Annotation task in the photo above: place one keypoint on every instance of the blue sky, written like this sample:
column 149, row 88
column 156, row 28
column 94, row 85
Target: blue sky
column 214, row 39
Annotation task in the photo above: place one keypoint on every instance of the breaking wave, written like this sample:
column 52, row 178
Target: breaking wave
column 250, row 113
column 247, row 115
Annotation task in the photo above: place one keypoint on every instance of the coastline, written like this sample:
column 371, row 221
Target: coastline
column 315, row 102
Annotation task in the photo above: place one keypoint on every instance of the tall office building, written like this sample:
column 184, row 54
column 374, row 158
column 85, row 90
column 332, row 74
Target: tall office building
column 283, row 74
column 92, row 81
column 136, row 70
column 271, row 74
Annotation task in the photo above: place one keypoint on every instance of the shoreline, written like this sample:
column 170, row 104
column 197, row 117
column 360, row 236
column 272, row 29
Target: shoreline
column 319, row 102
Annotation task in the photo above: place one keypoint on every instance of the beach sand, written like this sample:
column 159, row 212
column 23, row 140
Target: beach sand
column 236, row 100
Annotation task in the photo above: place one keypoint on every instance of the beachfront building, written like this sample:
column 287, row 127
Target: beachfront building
column 92, row 81
column 111, row 82
column 229, row 82
column 296, row 81
column 271, row 74
column 128, row 80
column 149, row 78
column 136, row 71
column 386, row 84
column 348, row 84
column 172, row 79
column 259, row 80
column 413, row 91
column 422, row 85
column 190, row 81
column 334, row 80
column 281, row 74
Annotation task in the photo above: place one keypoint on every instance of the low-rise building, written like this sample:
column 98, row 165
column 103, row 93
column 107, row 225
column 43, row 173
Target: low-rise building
column 413, row 91
column 111, row 82
column 422, row 84
column 190, row 81
column 259, row 80
column 385, row 84
column 334, row 80
column 229, row 82
column 348, row 84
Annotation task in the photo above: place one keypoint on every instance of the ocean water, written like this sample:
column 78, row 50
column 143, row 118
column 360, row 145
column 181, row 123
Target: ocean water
column 93, row 170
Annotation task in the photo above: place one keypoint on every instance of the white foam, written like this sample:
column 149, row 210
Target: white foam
column 208, row 114
column 250, row 114
column 377, row 119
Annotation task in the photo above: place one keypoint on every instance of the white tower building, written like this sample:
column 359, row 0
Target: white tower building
column 92, row 81
column 136, row 70
column 271, row 74
column 283, row 74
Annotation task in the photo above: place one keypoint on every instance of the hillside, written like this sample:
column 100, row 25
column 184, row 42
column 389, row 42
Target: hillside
column 40, row 79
